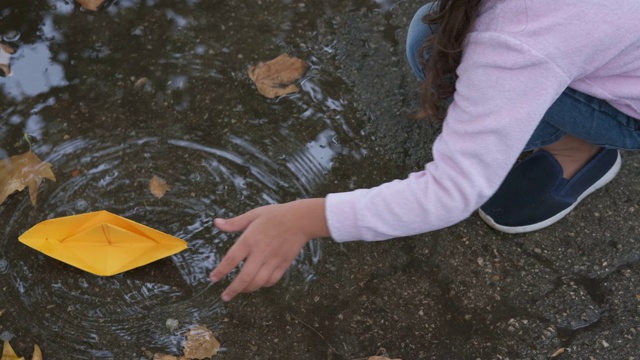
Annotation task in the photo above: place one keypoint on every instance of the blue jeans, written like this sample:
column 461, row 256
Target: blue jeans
column 575, row 113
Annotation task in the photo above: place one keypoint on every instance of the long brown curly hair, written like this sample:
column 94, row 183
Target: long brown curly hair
column 454, row 19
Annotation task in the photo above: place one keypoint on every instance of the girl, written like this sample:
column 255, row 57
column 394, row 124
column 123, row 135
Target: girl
column 561, row 78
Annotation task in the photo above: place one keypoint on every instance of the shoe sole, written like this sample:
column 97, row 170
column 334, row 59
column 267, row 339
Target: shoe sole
column 533, row 227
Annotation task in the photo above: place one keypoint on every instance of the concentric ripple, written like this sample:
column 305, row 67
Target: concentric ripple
column 67, row 307
column 160, row 88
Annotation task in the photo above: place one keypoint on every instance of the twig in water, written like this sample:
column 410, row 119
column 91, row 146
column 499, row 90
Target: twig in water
column 316, row 331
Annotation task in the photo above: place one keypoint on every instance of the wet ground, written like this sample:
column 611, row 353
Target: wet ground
column 152, row 87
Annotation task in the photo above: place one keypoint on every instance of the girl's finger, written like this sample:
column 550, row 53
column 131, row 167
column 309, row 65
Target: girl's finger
column 276, row 275
column 244, row 278
column 236, row 254
column 260, row 280
column 235, row 224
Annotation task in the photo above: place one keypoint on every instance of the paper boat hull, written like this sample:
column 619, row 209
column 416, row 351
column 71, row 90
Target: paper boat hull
column 100, row 242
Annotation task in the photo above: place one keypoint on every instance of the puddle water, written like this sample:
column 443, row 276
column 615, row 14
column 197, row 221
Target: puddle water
column 153, row 87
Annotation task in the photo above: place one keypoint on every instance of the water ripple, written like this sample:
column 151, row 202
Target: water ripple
column 67, row 307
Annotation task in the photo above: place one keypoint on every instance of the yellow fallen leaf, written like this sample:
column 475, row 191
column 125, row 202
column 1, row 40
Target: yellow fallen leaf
column 37, row 354
column 8, row 353
column 200, row 343
column 90, row 4
column 158, row 186
column 275, row 78
column 23, row 170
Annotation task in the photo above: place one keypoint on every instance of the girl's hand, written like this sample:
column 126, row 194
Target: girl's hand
column 272, row 237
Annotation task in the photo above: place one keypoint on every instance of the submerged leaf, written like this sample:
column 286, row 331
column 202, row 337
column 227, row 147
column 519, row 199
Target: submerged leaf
column 158, row 186
column 8, row 353
column 275, row 78
column 200, row 343
column 90, row 4
column 21, row 171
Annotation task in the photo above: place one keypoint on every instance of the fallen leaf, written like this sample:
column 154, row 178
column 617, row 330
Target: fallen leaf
column 93, row 5
column 275, row 78
column 200, row 343
column 5, row 58
column 158, row 356
column 37, row 354
column 158, row 186
column 557, row 352
column 8, row 353
column 23, row 170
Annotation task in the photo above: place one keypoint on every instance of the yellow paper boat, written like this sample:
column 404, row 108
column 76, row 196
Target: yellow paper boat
column 100, row 242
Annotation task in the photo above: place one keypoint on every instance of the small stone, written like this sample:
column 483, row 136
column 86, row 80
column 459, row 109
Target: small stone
column 172, row 324
column 6, row 336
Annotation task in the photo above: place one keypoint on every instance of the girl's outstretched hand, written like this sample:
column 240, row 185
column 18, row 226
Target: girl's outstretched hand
column 272, row 237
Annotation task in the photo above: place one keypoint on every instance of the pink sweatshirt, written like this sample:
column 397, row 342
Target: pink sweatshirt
column 518, row 59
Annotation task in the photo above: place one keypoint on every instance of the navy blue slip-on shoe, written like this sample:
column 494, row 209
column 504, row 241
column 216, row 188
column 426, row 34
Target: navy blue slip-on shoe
column 535, row 195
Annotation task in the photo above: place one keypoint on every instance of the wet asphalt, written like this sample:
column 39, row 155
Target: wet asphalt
column 570, row 291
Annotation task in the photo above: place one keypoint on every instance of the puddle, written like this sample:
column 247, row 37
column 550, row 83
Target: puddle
column 152, row 87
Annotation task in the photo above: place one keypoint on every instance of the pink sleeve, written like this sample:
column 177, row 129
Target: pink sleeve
column 502, row 92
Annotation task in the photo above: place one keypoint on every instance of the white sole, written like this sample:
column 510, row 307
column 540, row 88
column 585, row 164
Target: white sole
column 533, row 227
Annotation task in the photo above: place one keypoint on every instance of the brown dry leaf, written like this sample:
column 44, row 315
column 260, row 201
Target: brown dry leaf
column 23, row 170
column 93, row 5
column 158, row 186
column 37, row 354
column 200, row 343
column 158, row 356
column 275, row 78
column 8, row 353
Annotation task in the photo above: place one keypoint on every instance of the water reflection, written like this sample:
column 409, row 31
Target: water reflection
column 33, row 71
column 147, row 88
